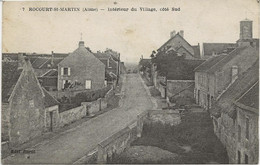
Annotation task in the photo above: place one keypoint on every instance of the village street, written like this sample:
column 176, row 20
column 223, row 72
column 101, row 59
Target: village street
column 73, row 144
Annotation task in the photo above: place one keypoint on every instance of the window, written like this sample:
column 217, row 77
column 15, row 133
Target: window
column 247, row 128
column 239, row 133
column 65, row 71
column 88, row 84
column 246, row 159
column 238, row 157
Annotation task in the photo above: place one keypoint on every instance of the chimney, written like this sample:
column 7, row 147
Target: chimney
column 173, row 33
column 52, row 58
column 81, row 44
column 20, row 60
column 182, row 33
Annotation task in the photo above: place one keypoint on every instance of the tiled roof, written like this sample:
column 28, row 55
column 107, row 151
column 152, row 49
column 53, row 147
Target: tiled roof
column 44, row 62
column 250, row 99
column 183, row 69
column 230, row 56
column 49, row 101
column 100, row 55
column 10, row 76
column 240, row 86
column 217, row 48
column 11, row 56
column 196, row 49
column 52, row 72
column 209, row 63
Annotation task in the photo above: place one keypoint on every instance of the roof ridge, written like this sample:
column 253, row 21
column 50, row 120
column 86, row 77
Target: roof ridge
column 224, row 59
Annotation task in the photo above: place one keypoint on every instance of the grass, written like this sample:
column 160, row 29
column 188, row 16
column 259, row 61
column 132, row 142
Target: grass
column 195, row 130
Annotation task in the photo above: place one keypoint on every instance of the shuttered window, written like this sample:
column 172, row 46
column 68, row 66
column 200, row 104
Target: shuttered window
column 88, row 84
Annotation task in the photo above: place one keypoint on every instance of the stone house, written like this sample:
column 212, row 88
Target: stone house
column 24, row 103
column 111, row 66
column 173, row 73
column 247, row 107
column 81, row 70
column 214, row 75
column 180, row 45
column 235, row 117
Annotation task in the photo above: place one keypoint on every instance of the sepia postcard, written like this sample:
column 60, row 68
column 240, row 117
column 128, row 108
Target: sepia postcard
column 130, row 82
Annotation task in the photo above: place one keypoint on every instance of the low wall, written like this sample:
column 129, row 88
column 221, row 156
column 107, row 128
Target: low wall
column 95, row 106
column 116, row 144
column 150, row 117
column 72, row 115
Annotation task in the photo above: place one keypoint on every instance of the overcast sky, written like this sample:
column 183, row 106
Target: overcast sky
column 131, row 33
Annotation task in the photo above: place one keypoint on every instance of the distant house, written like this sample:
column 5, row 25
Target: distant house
column 26, row 106
column 145, row 67
column 235, row 117
column 172, row 74
column 111, row 66
column 214, row 75
column 81, row 70
column 180, row 45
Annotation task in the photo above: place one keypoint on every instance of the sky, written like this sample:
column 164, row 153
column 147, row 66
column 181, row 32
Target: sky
column 132, row 34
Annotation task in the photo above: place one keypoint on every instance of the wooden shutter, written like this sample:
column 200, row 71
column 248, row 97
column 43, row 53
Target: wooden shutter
column 63, row 82
column 68, row 71
column 62, row 71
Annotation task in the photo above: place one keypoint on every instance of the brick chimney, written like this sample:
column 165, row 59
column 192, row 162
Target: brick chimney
column 81, row 44
column 182, row 33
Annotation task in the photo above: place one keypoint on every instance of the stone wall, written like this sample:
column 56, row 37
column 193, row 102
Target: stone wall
column 72, row 115
column 121, row 140
column 95, row 106
column 116, row 144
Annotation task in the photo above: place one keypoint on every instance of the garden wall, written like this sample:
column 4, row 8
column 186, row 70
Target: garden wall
column 72, row 115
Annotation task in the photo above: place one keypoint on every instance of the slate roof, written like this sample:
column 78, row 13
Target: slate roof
column 240, row 86
column 217, row 62
column 183, row 69
column 209, row 63
column 49, row 101
column 10, row 75
column 218, row 48
column 250, row 99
